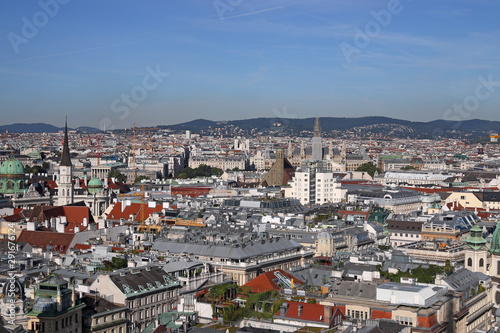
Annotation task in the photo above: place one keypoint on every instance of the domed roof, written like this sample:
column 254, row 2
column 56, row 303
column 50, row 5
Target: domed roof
column 94, row 185
column 95, row 182
column 495, row 240
column 476, row 240
column 11, row 166
column 13, row 288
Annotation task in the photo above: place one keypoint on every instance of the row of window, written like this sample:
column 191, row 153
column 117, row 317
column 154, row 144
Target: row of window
column 481, row 262
column 105, row 318
column 395, row 234
column 147, row 313
column 357, row 314
column 405, row 320
column 151, row 299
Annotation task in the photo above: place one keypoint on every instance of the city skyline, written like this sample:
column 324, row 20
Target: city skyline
column 114, row 64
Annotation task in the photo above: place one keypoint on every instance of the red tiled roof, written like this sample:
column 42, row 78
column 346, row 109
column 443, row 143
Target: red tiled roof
column 70, row 227
column 60, row 241
column 264, row 282
column 191, row 191
column 310, row 312
column 83, row 246
column 13, row 218
column 72, row 213
column 133, row 209
column 380, row 314
column 427, row 321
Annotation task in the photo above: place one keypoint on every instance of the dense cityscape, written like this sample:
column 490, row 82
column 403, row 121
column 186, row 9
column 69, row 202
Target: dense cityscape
column 249, row 166
column 158, row 230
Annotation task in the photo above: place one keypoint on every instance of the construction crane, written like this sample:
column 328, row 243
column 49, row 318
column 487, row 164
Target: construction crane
column 134, row 147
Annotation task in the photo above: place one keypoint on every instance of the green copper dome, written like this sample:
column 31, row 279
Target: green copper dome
column 95, row 185
column 11, row 167
column 476, row 240
column 495, row 240
column 12, row 177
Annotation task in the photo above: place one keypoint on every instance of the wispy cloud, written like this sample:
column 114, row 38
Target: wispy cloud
column 254, row 13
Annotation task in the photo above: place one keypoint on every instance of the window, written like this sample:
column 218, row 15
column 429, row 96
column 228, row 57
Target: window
column 469, row 262
column 481, row 262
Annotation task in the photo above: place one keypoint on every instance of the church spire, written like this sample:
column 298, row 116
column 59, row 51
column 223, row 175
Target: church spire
column 65, row 158
column 317, row 128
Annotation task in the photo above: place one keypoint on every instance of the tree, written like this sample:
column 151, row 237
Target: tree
column 369, row 167
column 408, row 167
column 140, row 178
column 117, row 174
column 46, row 165
column 202, row 170
column 114, row 264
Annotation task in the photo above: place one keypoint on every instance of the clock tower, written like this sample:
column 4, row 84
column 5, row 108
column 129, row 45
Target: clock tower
column 65, row 184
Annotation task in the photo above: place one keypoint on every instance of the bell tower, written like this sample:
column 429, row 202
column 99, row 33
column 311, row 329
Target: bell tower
column 65, row 184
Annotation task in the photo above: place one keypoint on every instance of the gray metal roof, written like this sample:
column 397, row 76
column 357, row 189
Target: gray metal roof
column 235, row 251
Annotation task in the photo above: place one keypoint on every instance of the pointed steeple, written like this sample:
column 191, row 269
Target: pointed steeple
column 317, row 128
column 65, row 158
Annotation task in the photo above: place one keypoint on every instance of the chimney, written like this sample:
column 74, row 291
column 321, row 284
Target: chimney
column 85, row 222
column 327, row 315
column 300, row 310
column 60, row 227
column 77, row 230
column 31, row 226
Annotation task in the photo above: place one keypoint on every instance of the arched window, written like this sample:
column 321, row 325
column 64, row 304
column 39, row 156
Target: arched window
column 481, row 262
column 498, row 267
column 469, row 262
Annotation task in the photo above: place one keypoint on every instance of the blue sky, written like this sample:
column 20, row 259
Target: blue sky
column 238, row 59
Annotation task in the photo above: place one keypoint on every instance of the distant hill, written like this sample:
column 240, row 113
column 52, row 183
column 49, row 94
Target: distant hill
column 340, row 127
column 345, row 127
column 40, row 128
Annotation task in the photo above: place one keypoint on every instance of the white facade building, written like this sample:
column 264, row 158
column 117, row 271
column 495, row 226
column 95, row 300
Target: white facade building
column 315, row 185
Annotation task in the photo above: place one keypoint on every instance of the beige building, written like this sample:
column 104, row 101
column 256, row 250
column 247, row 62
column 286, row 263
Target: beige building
column 221, row 162
column 489, row 200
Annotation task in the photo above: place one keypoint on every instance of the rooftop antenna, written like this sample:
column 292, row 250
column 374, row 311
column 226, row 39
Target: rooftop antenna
column 98, row 151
